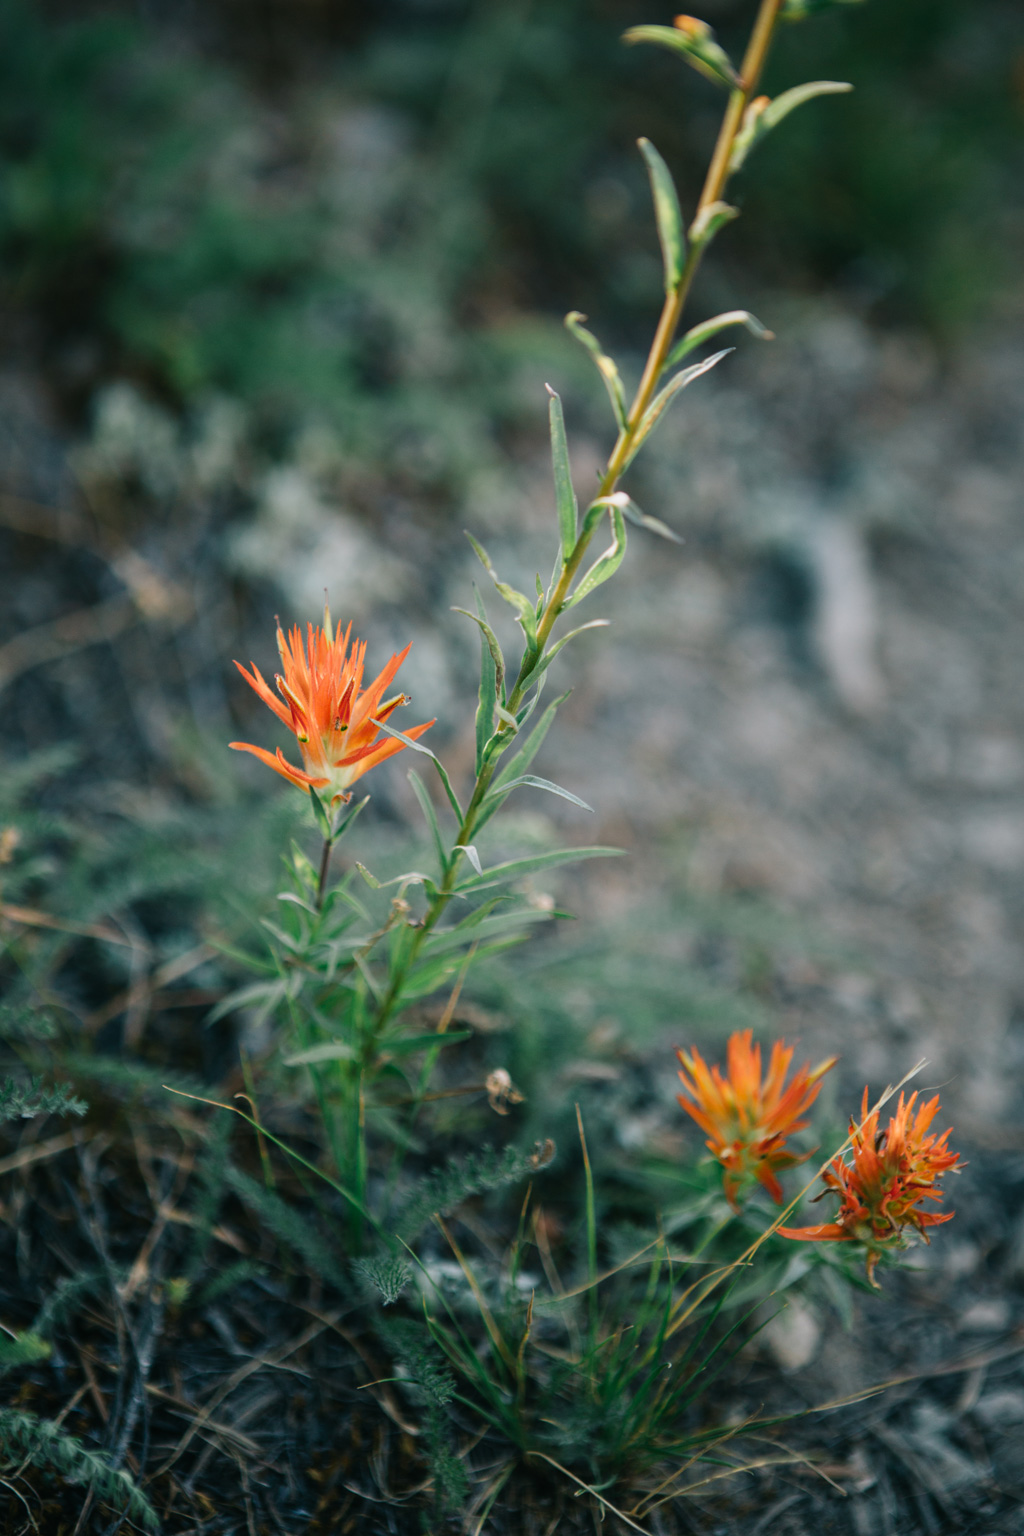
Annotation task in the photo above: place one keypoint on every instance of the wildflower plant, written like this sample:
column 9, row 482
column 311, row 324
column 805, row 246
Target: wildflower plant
column 600, row 1376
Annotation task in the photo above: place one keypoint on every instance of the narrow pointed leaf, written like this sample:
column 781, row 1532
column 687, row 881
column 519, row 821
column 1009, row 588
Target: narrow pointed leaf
column 425, row 752
column 535, row 783
column 696, row 44
column 699, row 334
column 503, row 926
column 516, row 600
column 405, row 1045
column 550, row 656
column 605, row 366
column 492, row 645
column 419, row 789
column 632, row 513
column 789, row 100
column 518, row 765
column 565, row 496
column 710, row 220
column 663, row 399
column 321, row 814
column 762, row 115
column 471, row 854
column 487, row 697
column 667, row 214
column 513, row 869
column 330, row 1050
column 607, row 564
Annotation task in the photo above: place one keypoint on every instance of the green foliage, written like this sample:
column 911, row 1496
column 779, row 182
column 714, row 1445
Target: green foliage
column 23, row 1100
column 388, row 1275
column 440, row 1192
column 291, row 1226
column 24, row 1437
column 23, row 1349
column 433, row 1384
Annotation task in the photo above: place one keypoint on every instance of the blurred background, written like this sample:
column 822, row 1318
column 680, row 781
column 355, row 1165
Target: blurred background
column 281, row 284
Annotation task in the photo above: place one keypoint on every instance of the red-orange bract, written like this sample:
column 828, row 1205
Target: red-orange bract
column 331, row 715
column 891, row 1173
column 747, row 1120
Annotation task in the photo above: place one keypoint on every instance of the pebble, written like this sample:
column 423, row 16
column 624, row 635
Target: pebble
column 990, row 1315
column 793, row 1336
column 1002, row 1407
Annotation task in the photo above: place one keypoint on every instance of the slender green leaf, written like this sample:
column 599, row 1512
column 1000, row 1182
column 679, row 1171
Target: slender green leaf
column 499, row 925
column 330, row 1050
column 667, row 214
column 553, row 652
column 605, row 366
column 321, row 814
column 427, row 977
column 264, row 994
column 696, row 44
column 471, row 854
column 763, row 115
column 492, row 645
column 710, row 220
column 565, row 496
column 419, row 789
column 663, row 399
column 411, row 877
column 405, row 1045
column 524, row 608
column 487, row 696
column 533, row 782
column 607, row 564
column 349, row 817
column 699, row 334
column 528, row 751
column 513, row 869
column 632, row 513
column 425, row 752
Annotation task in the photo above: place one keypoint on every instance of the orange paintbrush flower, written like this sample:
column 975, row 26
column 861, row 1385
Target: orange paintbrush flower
column 891, row 1173
column 747, row 1120
column 332, row 716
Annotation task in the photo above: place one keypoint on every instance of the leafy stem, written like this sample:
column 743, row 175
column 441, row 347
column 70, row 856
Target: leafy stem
column 661, row 346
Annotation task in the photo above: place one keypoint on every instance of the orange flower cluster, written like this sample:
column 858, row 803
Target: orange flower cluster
column 747, row 1120
column 333, row 718
column 891, row 1173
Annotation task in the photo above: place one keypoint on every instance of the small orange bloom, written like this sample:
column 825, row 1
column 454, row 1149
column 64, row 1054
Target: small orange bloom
column 891, row 1173
column 332, row 716
column 748, row 1120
